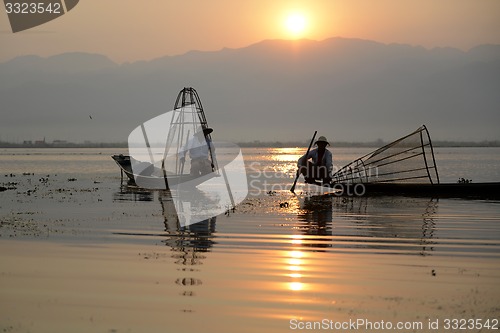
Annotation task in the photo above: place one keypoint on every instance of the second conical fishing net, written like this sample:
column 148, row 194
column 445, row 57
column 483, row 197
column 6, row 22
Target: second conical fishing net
column 407, row 160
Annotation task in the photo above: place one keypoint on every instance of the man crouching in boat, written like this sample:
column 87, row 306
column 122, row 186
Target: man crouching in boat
column 199, row 147
column 317, row 165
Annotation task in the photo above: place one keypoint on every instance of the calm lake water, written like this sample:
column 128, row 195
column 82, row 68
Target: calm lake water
column 277, row 263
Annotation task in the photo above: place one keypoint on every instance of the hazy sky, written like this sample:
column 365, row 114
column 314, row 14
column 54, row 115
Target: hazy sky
column 127, row 30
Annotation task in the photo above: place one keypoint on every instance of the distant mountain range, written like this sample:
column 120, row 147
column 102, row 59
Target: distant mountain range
column 275, row 90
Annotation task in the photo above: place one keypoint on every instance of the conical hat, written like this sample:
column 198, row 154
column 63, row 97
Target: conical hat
column 322, row 139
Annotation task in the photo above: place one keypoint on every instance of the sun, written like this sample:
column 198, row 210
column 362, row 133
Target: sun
column 296, row 23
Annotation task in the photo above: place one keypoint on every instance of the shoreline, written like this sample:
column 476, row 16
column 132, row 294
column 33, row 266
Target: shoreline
column 271, row 144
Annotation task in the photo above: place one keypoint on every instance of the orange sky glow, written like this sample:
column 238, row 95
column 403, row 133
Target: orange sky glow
column 126, row 30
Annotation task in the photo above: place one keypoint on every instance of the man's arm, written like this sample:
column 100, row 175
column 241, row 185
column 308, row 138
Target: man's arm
column 303, row 160
column 329, row 161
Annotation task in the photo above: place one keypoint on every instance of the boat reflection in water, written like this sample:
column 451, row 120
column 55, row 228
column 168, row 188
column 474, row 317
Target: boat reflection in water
column 384, row 224
column 184, row 236
column 128, row 193
column 178, row 228
column 187, row 241
column 316, row 220
column 333, row 230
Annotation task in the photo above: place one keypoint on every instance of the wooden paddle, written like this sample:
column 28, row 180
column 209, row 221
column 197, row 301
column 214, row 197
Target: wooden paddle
column 298, row 171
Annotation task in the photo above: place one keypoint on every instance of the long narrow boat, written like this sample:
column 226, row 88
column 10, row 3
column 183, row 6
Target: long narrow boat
column 125, row 165
column 405, row 167
column 152, row 177
column 486, row 191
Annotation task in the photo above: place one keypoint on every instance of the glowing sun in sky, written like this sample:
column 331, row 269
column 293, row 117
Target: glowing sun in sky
column 295, row 24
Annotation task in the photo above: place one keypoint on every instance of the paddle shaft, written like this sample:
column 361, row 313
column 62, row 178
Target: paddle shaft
column 298, row 171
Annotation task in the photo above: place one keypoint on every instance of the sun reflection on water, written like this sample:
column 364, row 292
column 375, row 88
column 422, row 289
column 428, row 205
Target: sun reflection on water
column 286, row 154
column 296, row 254
column 296, row 260
column 283, row 161
column 296, row 240
column 296, row 286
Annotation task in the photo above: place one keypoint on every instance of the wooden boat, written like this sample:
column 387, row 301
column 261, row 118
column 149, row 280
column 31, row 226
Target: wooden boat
column 125, row 165
column 152, row 177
